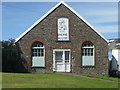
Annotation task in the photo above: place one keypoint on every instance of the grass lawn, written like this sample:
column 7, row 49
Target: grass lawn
column 102, row 77
column 51, row 80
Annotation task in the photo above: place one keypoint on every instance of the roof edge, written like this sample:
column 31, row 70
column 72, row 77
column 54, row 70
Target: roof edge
column 61, row 2
column 86, row 22
column 17, row 39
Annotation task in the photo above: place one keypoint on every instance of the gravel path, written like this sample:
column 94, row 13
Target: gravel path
column 73, row 74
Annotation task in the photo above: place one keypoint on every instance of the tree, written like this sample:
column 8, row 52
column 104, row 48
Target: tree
column 10, row 63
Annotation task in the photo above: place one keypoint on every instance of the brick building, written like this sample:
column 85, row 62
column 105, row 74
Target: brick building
column 62, row 41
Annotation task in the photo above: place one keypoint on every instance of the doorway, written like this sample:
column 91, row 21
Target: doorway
column 61, row 60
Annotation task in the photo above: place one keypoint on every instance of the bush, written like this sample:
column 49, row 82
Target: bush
column 10, row 63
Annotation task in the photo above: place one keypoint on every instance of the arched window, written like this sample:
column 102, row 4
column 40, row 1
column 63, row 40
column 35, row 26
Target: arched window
column 38, row 54
column 87, row 54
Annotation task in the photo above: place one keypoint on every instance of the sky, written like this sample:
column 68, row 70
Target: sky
column 17, row 17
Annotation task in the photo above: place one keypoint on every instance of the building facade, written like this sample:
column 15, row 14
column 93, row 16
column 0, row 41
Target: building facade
column 62, row 41
column 114, row 57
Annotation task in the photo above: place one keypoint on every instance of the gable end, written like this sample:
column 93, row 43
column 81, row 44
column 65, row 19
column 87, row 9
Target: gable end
column 50, row 11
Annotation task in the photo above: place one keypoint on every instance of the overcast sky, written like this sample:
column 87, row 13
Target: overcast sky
column 19, row 16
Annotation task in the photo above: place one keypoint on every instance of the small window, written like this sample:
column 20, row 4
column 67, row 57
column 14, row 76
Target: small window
column 63, row 29
column 38, row 54
column 87, row 54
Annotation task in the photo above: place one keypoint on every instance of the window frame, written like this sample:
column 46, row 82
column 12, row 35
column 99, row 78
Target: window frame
column 38, row 50
column 92, row 46
column 41, row 47
column 68, row 34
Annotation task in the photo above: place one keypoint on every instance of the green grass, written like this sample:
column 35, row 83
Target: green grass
column 101, row 77
column 51, row 80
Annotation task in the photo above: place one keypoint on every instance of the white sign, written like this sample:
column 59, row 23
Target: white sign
column 63, row 30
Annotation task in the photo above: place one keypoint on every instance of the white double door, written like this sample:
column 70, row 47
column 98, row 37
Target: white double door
column 61, row 60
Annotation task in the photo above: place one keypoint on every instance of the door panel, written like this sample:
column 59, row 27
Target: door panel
column 67, row 67
column 59, row 64
column 67, row 61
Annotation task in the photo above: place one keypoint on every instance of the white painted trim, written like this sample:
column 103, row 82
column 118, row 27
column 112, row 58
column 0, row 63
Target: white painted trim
column 37, row 47
column 61, row 49
column 62, row 2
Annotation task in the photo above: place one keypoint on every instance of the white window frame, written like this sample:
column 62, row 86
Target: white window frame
column 38, row 47
column 62, row 33
column 88, row 53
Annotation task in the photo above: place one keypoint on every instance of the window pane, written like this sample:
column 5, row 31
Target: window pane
column 38, row 50
column 35, row 54
column 87, row 44
column 58, row 55
column 88, row 52
column 85, row 52
column 39, row 54
column 35, row 50
column 41, row 50
column 37, row 44
column 66, row 55
column 41, row 45
column 91, row 51
column 42, row 54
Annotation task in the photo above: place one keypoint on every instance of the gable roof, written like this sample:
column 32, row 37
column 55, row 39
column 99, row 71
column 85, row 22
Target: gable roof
column 61, row 2
column 114, row 43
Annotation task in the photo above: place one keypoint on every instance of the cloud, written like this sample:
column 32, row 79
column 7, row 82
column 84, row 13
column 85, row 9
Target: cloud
column 101, row 12
column 107, row 29
column 103, row 20
column 102, row 16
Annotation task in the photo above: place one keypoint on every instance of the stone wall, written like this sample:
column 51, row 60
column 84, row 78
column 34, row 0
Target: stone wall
column 45, row 32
